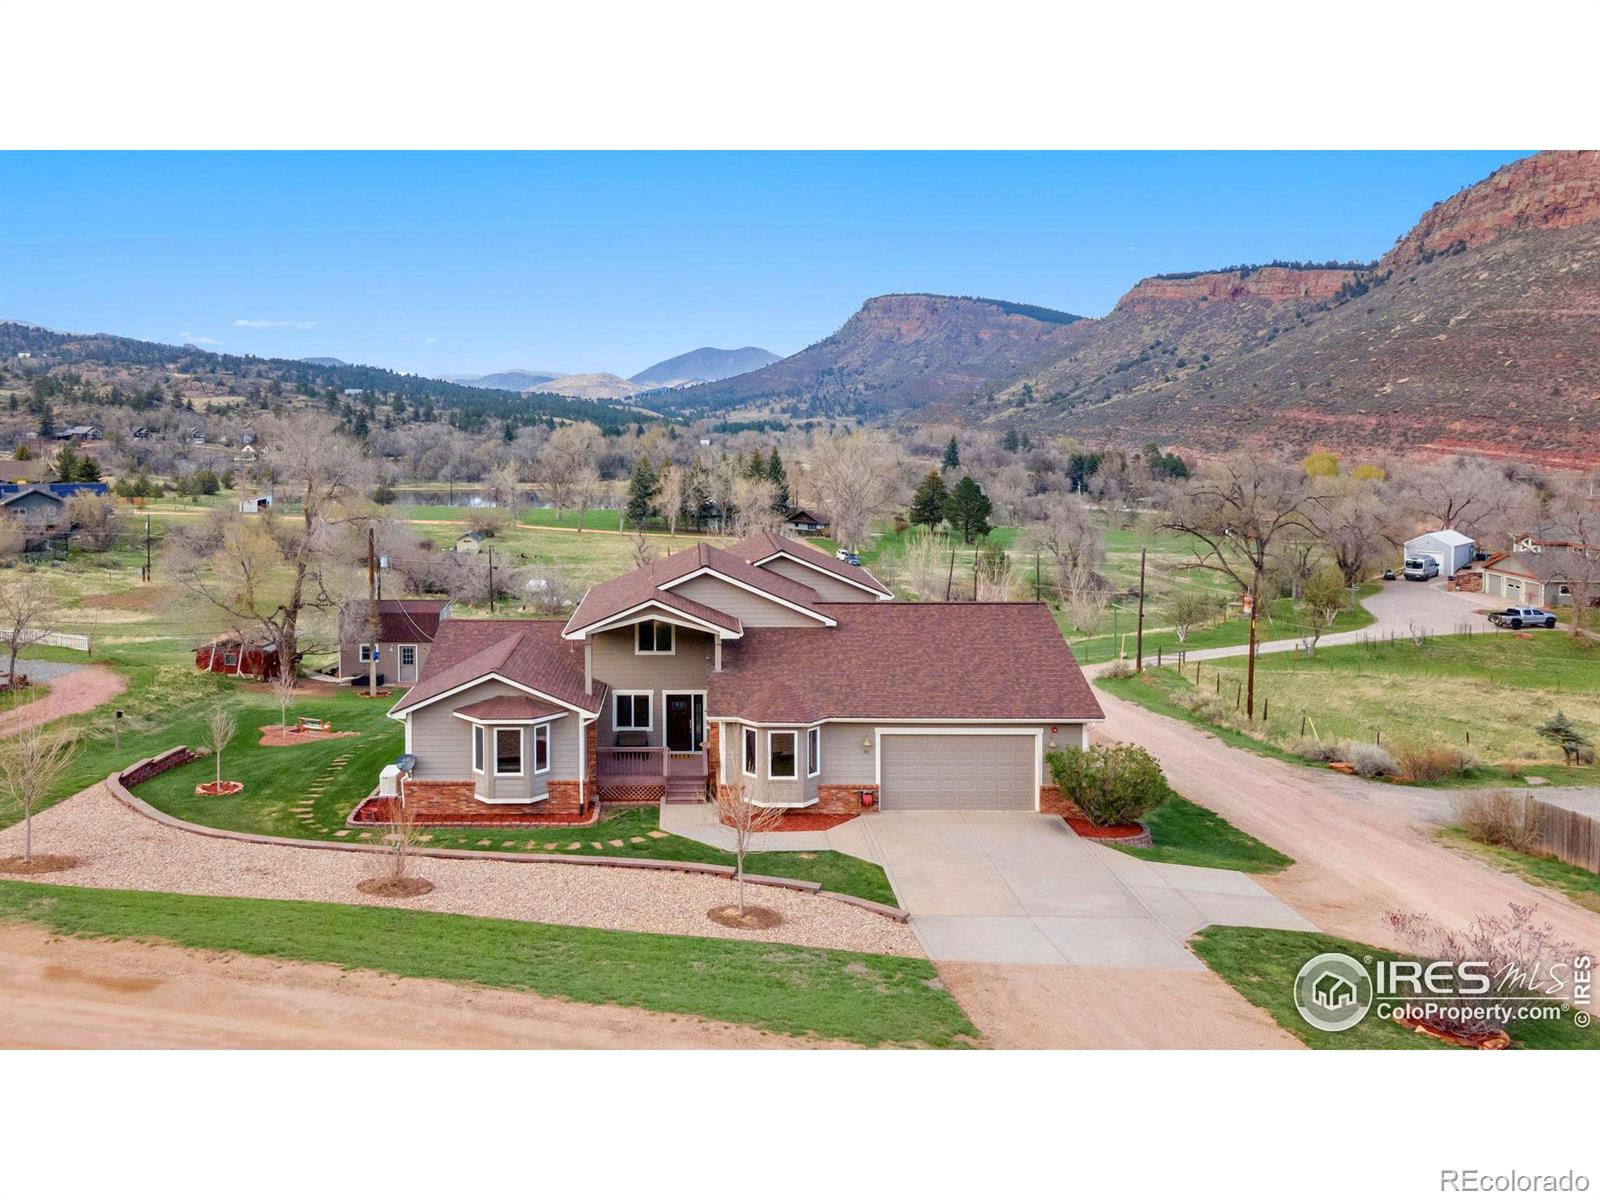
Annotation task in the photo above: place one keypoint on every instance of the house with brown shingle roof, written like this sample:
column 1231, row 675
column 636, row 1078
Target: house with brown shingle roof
column 766, row 666
column 395, row 634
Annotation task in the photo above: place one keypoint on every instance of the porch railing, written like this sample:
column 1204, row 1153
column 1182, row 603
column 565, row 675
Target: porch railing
column 649, row 762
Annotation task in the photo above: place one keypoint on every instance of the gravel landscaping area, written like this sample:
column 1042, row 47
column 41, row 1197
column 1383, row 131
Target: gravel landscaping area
column 119, row 848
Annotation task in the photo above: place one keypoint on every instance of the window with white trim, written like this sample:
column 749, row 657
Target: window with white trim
column 630, row 711
column 477, row 748
column 541, row 749
column 652, row 637
column 508, row 751
column 749, row 751
column 365, row 653
column 813, row 753
column 780, row 755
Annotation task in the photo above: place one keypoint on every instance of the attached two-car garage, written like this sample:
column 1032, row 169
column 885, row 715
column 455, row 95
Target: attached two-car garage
column 950, row 770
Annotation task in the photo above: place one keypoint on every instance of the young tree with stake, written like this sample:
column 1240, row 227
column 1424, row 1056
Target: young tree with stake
column 738, row 811
column 30, row 763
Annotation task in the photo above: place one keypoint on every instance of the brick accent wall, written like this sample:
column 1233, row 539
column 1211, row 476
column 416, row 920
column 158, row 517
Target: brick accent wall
column 591, row 758
column 843, row 797
column 149, row 768
column 1052, row 801
column 564, row 798
column 714, row 751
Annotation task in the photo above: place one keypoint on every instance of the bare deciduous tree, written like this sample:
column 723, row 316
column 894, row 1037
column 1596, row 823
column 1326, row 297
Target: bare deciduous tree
column 1190, row 608
column 1066, row 532
column 737, row 809
column 1352, row 523
column 1240, row 511
column 31, row 761
column 671, row 487
column 570, row 455
column 1578, row 519
column 26, row 614
column 856, row 477
column 584, row 488
column 923, row 563
column 752, row 504
column 265, row 572
column 283, row 688
column 1455, row 495
column 221, row 727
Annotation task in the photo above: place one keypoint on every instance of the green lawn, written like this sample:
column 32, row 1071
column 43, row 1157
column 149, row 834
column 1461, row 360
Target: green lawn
column 869, row 999
column 1260, row 964
column 1185, row 833
column 1542, row 870
column 1484, row 693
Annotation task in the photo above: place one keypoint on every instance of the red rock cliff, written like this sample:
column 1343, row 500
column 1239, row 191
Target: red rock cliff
column 1273, row 284
column 1553, row 190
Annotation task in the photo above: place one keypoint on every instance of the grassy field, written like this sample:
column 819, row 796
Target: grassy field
column 1542, row 870
column 1485, row 692
column 1192, row 836
column 868, row 999
column 1260, row 964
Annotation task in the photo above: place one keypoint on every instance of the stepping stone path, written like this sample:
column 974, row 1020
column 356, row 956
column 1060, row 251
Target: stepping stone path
column 616, row 841
column 575, row 846
column 659, row 833
column 305, row 809
column 636, row 840
column 551, row 845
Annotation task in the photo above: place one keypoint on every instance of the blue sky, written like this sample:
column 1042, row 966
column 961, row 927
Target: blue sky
column 461, row 262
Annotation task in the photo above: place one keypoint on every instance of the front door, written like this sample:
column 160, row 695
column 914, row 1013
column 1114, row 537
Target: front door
column 408, row 664
column 686, row 721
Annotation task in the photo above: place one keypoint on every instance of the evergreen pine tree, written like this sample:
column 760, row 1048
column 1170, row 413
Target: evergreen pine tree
column 967, row 509
column 779, row 478
column 642, row 486
column 927, row 503
column 952, row 455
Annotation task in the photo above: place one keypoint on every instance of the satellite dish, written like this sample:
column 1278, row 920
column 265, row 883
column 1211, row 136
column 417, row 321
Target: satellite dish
column 407, row 763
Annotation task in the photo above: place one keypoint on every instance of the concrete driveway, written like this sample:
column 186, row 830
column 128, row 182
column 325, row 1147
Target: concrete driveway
column 1022, row 888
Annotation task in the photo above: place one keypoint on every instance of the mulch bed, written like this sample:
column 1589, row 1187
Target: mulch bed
column 288, row 735
column 1085, row 828
column 377, row 695
column 39, row 864
column 1498, row 1039
column 375, row 811
column 228, row 787
column 808, row 822
column 754, row 917
column 404, row 888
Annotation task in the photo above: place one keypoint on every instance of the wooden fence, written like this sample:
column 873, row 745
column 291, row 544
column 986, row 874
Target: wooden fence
column 1571, row 836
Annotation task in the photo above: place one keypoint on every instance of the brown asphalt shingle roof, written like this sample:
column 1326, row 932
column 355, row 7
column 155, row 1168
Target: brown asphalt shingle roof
column 906, row 662
column 409, row 620
column 649, row 584
column 532, row 653
column 765, row 544
column 510, row 708
column 1547, row 566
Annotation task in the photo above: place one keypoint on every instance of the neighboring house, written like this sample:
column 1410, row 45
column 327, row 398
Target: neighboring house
column 806, row 521
column 1544, row 579
column 405, row 633
column 234, row 654
column 250, row 504
column 197, row 436
column 470, row 542
column 142, row 433
column 77, row 433
column 1555, row 535
column 41, row 509
column 767, row 665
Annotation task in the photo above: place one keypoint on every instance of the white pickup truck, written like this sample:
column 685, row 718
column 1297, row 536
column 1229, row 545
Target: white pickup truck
column 1521, row 618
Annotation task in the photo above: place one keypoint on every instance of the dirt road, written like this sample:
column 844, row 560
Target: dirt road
column 1355, row 859
column 78, row 691
column 70, row 993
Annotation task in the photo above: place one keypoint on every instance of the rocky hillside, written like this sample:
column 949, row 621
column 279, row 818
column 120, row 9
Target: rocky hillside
column 898, row 351
column 1480, row 330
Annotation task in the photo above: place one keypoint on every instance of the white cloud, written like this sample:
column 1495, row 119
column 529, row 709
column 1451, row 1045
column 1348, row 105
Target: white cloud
column 243, row 323
column 430, row 341
column 195, row 339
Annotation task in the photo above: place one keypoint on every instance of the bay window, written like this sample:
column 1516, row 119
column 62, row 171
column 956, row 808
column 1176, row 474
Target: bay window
column 780, row 755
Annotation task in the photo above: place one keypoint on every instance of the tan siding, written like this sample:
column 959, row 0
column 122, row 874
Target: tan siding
column 617, row 666
column 442, row 743
column 827, row 587
column 736, row 602
column 388, row 659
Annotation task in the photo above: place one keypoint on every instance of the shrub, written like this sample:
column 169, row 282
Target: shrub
column 1496, row 819
column 1576, row 746
column 1208, row 708
column 1118, row 668
column 1111, row 785
column 1429, row 764
column 1315, row 749
column 1371, row 761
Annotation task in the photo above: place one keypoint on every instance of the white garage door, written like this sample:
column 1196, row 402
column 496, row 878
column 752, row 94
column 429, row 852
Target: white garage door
column 958, row 770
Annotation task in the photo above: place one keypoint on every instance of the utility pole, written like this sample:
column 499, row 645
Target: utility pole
column 147, row 547
column 1250, row 703
column 1036, row 581
column 372, row 615
column 491, row 580
column 1138, row 641
column 950, row 577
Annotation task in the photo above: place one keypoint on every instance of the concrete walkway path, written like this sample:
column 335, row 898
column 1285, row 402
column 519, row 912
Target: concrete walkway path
column 698, row 823
column 1022, row 888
